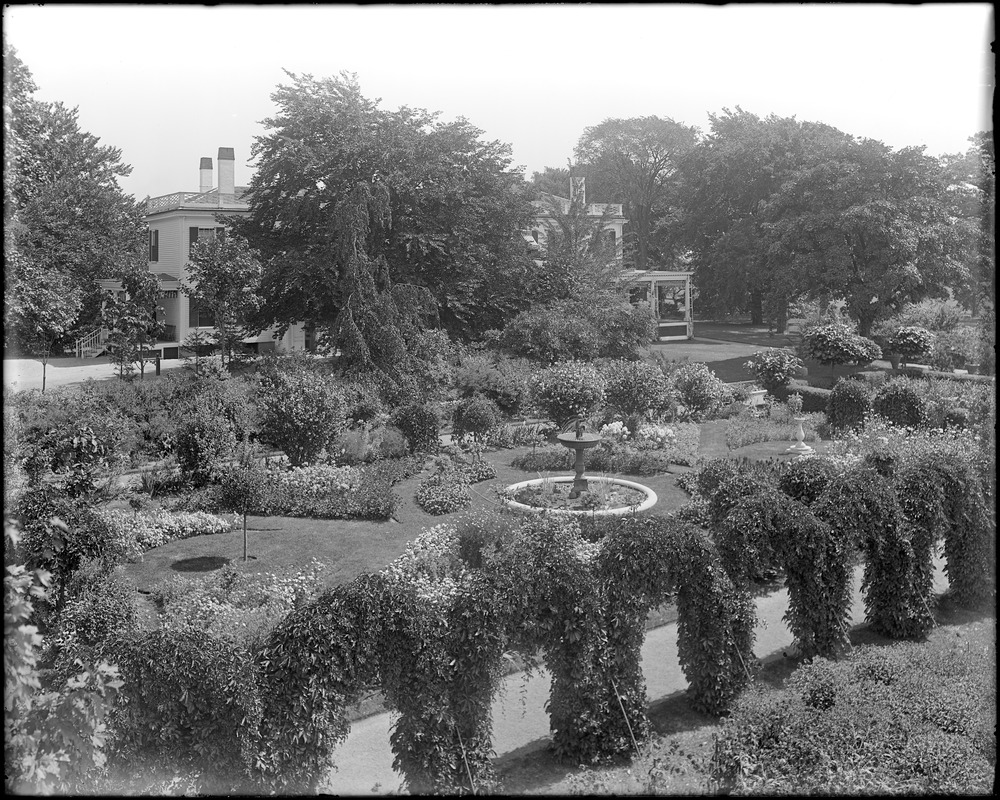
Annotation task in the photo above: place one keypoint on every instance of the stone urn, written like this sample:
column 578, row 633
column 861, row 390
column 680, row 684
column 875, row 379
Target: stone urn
column 800, row 448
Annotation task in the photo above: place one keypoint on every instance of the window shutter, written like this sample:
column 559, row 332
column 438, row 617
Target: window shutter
column 192, row 238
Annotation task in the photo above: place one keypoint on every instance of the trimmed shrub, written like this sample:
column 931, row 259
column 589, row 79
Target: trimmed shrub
column 900, row 403
column 836, row 343
column 420, row 425
column 634, row 387
column 476, row 416
column 774, row 367
column 911, row 341
column 567, row 390
column 700, row 392
column 850, row 404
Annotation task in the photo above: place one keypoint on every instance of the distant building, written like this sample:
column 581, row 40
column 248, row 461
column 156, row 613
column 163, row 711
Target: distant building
column 667, row 291
column 175, row 222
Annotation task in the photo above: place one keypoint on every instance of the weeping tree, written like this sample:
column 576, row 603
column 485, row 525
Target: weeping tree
column 372, row 224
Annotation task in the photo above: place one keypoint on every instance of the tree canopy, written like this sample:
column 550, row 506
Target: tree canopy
column 65, row 215
column 636, row 161
column 354, row 207
column 775, row 209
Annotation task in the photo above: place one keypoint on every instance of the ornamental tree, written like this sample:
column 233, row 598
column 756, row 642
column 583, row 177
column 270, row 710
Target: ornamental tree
column 225, row 275
column 301, row 411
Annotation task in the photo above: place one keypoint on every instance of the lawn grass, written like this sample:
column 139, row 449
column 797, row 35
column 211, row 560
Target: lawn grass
column 348, row 547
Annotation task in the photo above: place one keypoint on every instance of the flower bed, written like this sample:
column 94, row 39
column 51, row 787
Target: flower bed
column 138, row 533
column 604, row 496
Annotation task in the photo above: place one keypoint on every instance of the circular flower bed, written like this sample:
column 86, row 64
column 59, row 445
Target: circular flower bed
column 605, row 497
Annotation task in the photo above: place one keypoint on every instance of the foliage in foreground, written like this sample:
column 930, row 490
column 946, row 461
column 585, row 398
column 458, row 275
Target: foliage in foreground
column 902, row 719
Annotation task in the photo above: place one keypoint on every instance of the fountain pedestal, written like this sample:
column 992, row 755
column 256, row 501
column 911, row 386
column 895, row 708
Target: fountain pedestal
column 579, row 442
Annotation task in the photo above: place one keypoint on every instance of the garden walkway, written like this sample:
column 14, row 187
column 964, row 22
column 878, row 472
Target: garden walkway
column 520, row 723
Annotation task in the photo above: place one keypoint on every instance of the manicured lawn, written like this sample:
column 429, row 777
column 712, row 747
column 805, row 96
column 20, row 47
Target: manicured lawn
column 351, row 547
column 348, row 547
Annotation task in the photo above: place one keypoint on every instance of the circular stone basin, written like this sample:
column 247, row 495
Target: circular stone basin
column 648, row 502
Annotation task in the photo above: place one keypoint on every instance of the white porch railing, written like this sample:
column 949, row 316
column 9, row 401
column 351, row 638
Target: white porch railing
column 90, row 345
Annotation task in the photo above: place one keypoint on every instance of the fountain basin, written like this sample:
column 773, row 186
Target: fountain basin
column 648, row 502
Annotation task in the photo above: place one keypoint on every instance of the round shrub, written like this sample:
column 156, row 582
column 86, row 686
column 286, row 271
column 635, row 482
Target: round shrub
column 836, row 343
column 849, row 405
column 700, row 392
column 567, row 390
column 774, row 367
column 804, row 479
column 900, row 403
column 419, row 424
column 911, row 341
column 634, row 387
column 476, row 416
column 302, row 412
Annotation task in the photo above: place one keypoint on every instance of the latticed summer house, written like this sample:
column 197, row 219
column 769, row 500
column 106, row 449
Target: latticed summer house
column 667, row 291
column 175, row 222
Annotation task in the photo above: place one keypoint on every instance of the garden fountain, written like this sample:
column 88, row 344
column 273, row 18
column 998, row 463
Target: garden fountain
column 525, row 496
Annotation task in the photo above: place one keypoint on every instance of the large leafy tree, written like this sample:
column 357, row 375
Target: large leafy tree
column 225, row 277
column 66, row 214
column 41, row 307
column 725, row 185
column 363, row 215
column 776, row 209
column 635, row 161
column 867, row 224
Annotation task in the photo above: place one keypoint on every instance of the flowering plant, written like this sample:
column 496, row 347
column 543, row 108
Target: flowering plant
column 616, row 430
column 658, row 436
column 795, row 404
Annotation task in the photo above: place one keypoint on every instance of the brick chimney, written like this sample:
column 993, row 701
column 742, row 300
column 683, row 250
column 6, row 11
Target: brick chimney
column 205, row 170
column 227, row 171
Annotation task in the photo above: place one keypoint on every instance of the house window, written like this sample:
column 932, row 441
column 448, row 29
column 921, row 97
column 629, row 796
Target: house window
column 154, row 245
column 200, row 317
column 611, row 240
column 202, row 235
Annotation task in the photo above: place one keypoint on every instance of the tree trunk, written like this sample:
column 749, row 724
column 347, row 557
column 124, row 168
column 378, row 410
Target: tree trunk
column 781, row 317
column 756, row 307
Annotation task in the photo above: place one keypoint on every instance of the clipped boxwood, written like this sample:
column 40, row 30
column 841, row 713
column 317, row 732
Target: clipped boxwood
column 899, row 402
column 850, row 404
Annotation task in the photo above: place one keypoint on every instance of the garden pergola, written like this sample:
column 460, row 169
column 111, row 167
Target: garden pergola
column 669, row 294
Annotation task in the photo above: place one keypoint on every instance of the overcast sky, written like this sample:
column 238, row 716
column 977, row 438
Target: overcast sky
column 170, row 84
